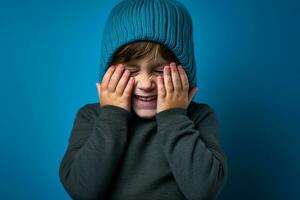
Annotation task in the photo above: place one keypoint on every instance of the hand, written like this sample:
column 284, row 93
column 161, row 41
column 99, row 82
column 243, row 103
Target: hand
column 173, row 89
column 116, row 87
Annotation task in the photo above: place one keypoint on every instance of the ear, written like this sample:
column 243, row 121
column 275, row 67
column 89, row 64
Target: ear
column 192, row 93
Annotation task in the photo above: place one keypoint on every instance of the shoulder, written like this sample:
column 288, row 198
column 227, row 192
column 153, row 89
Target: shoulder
column 199, row 111
column 196, row 108
column 89, row 111
column 91, row 107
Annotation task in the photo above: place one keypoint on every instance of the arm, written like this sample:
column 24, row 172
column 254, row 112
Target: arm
column 193, row 152
column 95, row 148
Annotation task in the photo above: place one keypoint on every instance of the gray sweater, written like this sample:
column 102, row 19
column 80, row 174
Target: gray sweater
column 114, row 154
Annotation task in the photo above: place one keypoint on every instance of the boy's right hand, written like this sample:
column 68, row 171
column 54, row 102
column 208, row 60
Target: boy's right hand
column 116, row 87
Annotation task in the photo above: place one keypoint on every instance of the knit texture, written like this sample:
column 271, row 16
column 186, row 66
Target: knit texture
column 163, row 21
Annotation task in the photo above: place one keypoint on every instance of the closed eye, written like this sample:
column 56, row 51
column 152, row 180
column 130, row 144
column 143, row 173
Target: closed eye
column 134, row 72
column 159, row 71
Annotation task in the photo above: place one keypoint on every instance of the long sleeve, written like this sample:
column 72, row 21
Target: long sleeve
column 193, row 152
column 95, row 147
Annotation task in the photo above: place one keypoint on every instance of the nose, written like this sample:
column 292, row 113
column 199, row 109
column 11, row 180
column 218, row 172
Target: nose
column 145, row 82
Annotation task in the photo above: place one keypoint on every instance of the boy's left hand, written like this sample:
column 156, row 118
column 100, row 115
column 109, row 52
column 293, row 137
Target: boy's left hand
column 173, row 89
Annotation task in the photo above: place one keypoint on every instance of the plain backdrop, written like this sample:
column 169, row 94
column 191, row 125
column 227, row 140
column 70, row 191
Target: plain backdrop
column 247, row 55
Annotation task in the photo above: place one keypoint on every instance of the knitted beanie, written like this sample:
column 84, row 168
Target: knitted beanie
column 162, row 21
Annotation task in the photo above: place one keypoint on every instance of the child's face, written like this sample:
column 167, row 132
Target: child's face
column 145, row 71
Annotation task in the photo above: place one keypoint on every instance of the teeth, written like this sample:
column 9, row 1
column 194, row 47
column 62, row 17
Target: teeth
column 145, row 98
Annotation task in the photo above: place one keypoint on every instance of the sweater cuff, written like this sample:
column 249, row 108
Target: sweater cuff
column 115, row 113
column 168, row 117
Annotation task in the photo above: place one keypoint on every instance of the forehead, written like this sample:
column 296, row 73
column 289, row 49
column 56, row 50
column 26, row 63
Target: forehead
column 151, row 58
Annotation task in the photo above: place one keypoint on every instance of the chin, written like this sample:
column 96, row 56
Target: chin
column 146, row 114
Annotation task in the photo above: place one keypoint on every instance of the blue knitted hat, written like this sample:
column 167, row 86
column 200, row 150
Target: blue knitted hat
column 162, row 21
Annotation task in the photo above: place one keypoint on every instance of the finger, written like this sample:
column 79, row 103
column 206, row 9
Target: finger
column 107, row 76
column 168, row 79
column 184, row 78
column 160, row 87
column 175, row 77
column 123, row 82
column 129, row 87
column 115, row 78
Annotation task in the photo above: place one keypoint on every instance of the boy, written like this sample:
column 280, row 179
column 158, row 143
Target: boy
column 146, row 138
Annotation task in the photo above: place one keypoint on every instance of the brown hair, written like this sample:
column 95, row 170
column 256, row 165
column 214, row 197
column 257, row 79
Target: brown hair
column 141, row 49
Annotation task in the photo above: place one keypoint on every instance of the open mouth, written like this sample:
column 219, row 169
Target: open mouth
column 146, row 98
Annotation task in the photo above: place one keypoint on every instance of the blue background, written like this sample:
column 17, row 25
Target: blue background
column 247, row 53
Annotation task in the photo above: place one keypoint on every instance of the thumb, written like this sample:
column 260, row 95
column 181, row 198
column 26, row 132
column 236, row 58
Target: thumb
column 98, row 86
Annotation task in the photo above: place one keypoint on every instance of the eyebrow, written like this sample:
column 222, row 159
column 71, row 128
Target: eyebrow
column 154, row 65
